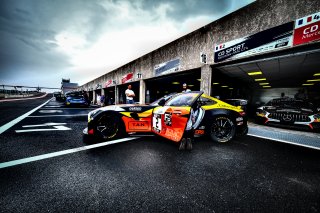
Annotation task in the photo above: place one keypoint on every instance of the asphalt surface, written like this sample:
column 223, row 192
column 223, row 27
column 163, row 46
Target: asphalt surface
column 149, row 174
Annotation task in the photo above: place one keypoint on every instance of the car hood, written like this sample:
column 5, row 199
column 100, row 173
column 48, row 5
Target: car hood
column 275, row 109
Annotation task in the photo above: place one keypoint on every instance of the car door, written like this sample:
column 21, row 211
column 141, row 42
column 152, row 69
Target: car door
column 170, row 121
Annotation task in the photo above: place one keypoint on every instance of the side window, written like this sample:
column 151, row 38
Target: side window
column 206, row 101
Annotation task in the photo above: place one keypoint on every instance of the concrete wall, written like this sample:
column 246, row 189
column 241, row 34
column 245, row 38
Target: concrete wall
column 256, row 17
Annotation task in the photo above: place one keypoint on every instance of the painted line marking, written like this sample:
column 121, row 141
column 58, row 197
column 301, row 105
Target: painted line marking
column 17, row 120
column 46, row 124
column 52, row 106
column 22, row 99
column 60, row 153
column 56, row 128
column 284, row 141
column 44, row 116
column 50, row 111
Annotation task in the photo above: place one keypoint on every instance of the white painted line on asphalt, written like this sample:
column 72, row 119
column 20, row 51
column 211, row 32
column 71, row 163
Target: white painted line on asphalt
column 52, row 106
column 17, row 120
column 44, row 116
column 64, row 152
column 284, row 141
column 56, row 128
column 50, row 111
column 22, row 99
column 46, row 124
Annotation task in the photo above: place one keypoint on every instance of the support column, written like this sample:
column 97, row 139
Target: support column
column 142, row 92
column 117, row 96
column 206, row 75
column 94, row 98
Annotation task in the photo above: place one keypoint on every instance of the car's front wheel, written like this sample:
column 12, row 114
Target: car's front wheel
column 222, row 129
column 108, row 127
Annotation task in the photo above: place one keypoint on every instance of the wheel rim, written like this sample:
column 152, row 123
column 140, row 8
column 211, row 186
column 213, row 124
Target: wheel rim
column 107, row 126
column 222, row 129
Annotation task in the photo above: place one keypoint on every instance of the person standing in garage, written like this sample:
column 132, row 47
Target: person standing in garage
column 185, row 89
column 129, row 95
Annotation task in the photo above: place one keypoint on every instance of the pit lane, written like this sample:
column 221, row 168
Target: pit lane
column 150, row 174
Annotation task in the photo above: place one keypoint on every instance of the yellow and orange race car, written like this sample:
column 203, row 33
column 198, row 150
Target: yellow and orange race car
column 168, row 117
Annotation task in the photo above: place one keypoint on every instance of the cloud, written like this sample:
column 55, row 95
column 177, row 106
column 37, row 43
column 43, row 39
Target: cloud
column 82, row 39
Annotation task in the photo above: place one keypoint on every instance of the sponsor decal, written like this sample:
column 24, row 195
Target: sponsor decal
column 168, row 118
column 135, row 108
column 127, row 78
column 307, row 29
column 138, row 125
column 173, row 135
column 264, row 41
column 167, row 67
column 156, row 123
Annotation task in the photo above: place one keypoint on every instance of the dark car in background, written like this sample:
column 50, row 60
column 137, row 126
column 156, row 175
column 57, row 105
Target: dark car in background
column 59, row 96
column 76, row 99
column 290, row 112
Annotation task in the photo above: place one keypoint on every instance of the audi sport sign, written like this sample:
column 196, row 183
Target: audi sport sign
column 307, row 29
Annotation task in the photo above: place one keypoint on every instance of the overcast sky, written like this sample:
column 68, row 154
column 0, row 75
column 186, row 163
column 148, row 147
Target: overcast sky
column 42, row 41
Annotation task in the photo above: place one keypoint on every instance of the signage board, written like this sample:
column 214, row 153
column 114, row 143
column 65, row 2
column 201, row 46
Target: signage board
column 264, row 41
column 109, row 83
column 307, row 29
column 127, row 78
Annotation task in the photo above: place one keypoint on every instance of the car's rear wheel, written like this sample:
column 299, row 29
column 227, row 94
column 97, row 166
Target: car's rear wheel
column 108, row 127
column 222, row 129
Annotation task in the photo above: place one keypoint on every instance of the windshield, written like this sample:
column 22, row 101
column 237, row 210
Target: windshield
column 290, row 103
column 183, row 99
column 166, row 97
column 74, row 95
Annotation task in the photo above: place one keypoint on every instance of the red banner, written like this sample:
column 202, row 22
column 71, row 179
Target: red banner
column 108, row 83
column 307, row 29
column 127, row 78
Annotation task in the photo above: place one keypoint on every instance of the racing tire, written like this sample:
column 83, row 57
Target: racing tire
column 109, row 127
column 222, row 129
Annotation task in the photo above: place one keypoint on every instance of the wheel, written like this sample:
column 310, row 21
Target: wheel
column 108, row 127
column 222, row 129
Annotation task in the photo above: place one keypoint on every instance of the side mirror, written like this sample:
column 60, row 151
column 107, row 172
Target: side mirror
column 162, row 102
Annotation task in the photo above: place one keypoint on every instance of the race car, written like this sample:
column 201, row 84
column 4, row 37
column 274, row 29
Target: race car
column 289, row 112
column 75, row 99
column 168, row 118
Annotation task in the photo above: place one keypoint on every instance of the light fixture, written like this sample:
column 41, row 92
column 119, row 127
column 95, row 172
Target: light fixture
column 266, row 86
column 215, row 83
column 255, row 73
column 260, row 79
column 191, row 85
column 307, row 84
column 199, row 79
column 313, row 80
column 224, row 86
column 175, row 82
column 263, row 84
column 230, row 88
column 316, row 74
